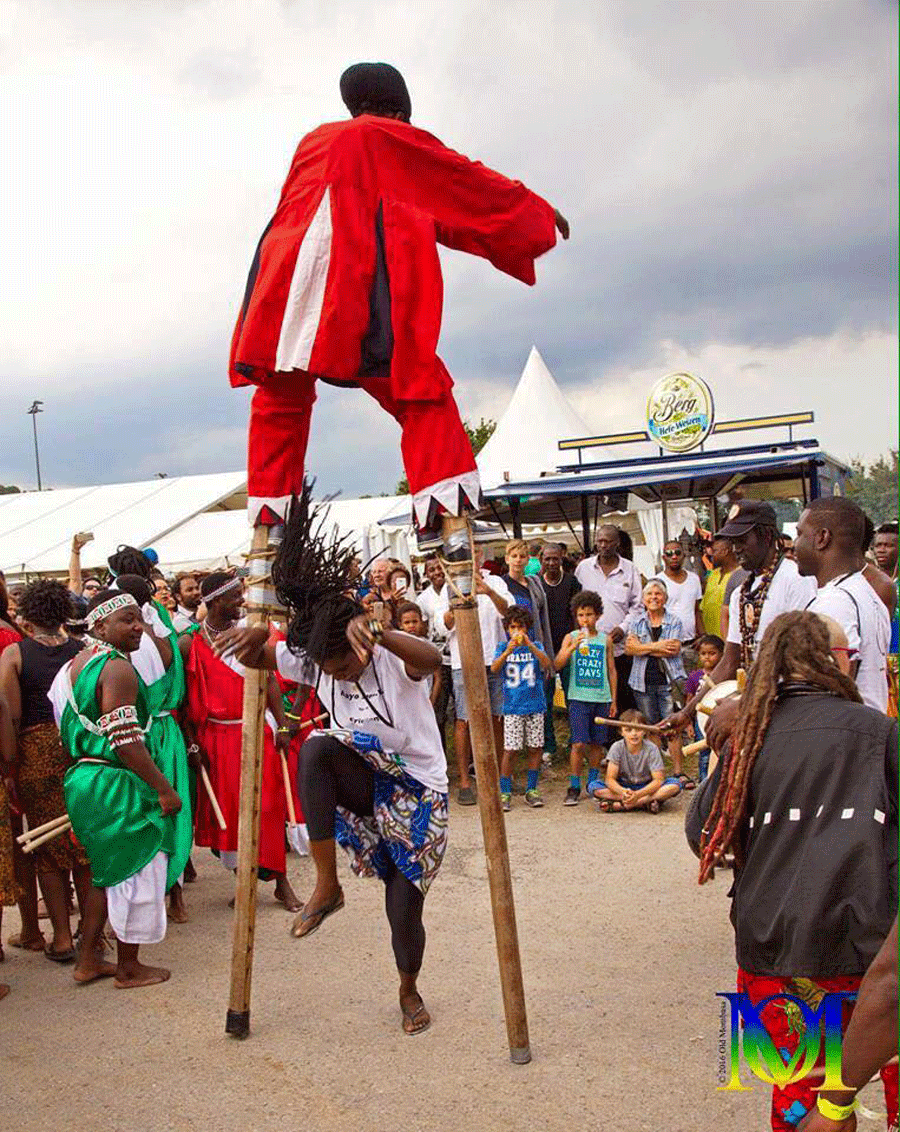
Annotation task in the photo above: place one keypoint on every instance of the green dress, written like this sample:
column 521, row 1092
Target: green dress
column 114, row 813
column 165, row 742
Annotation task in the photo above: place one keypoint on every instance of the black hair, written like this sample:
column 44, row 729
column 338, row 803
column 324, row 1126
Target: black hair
column 45, row 603
column 214, row 581
column 312, row 573
column 887, row 529
column 587, row 599
column 711, row 639
column 175, row 586
column 518, row 615
column 407, row 607
column 139, row 588
column 845, row 519
column 130, row 560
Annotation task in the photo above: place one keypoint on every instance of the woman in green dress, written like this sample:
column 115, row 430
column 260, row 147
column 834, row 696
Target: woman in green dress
column 122, row 807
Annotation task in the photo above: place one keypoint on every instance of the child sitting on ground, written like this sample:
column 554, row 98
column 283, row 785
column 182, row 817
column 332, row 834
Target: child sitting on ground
column 523, row 663
column 591, row 692
column 635, row 777
column 710, row 649
column 410, row 620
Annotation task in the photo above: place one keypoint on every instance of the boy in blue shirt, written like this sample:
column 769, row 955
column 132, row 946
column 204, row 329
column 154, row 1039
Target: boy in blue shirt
column 523, row 663
column 592, row 690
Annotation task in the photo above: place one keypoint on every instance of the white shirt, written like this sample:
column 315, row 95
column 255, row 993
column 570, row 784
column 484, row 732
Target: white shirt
column 492, row 631
column 411, row 732
column 183, row 619
column 427, row 601
column 787, row 592
column 682, row 601
column 861, row 613
column 620, row 590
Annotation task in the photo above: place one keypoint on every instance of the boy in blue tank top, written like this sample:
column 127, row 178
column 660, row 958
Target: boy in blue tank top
column 523, row 664
column 592, row 690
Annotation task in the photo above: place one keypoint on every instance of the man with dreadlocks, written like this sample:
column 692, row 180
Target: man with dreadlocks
column 377, row 781
column 806, row 800
column 345, row 287
column 215, row 690
column 773, row 586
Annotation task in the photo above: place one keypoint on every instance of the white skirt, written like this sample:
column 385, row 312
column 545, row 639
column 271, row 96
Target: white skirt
column 137, row 906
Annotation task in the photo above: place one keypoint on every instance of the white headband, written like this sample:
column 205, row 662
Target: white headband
column 224, row 588
column 120, row 601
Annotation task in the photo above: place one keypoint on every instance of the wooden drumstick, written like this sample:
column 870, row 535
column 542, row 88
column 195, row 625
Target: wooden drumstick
column 35, row 842
column 653, row 728
column 695, row 748
column 213, row 800
column 30, row 834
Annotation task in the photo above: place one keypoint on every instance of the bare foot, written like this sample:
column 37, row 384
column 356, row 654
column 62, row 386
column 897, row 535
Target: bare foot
column 416, row 1018
column 137, row 975
column 286, row 895
column 190, row 873
column 4, row 990
column 90, row 973
column 30, row 943
column 177, row 911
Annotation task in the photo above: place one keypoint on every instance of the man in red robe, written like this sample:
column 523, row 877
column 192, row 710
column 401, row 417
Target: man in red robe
column 346, row 287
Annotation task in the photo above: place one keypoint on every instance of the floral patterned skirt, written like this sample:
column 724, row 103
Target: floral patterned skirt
column 43, row 762
column 9, row 889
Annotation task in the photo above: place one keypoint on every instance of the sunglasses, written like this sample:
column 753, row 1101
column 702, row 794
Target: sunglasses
column 672, row 553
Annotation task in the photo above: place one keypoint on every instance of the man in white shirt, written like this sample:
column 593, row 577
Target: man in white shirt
column 493, row 600
column 186, row 592
column 618, row 582
column 830, row 533
column 773, row 586
column 684, row 590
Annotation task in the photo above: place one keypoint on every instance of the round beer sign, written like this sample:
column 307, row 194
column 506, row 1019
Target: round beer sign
column 680, row 412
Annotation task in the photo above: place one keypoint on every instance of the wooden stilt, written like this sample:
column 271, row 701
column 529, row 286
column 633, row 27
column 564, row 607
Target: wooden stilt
column 237, row 1021
column 493, row 828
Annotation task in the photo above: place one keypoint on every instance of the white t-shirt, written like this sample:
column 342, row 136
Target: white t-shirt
column 427, row 601
column 492, row 631
column 383, row 702
column 682, row 601
column 787, row 592
column 861, row 613
column 620, row 591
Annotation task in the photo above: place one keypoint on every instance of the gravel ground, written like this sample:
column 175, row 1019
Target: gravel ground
column 622, row 956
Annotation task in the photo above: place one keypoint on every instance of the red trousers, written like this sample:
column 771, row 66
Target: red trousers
column 791, row 1103
column 433, row 443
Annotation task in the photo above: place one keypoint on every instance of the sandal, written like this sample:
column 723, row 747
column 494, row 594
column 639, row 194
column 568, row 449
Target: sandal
column 306, row 923
column 60, row 956
column 653, row 806
column 687, row 783
column 409, row 1020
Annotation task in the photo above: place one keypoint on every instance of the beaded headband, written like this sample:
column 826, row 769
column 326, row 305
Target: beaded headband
column 105, row 608
column 224, row 588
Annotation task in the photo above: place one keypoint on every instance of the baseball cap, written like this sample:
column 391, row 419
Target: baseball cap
column 743, row 517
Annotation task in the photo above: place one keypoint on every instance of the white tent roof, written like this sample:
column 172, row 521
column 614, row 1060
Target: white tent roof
column 36, row 527
column 525, row 442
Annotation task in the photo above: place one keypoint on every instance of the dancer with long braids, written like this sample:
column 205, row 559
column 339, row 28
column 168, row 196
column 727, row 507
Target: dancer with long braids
column 806, row 800
column 377, row 782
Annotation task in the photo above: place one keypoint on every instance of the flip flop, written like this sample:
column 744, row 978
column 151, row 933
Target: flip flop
column 305, row 924
column 653, row 806
column 60, row 956
column 411, row 1018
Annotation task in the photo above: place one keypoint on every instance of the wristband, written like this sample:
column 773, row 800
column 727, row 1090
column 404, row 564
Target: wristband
column 283, row 731
column 836, row 1112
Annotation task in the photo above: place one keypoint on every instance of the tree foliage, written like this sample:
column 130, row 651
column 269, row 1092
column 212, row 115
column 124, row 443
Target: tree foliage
column 9, row 489
column 874, row 487
column 478, row 436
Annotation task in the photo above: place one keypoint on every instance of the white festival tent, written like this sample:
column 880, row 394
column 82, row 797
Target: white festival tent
column 192, row 522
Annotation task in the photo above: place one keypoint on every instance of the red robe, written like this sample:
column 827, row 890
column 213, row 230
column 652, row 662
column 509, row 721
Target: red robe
column 216, row 692
column 310, row 709
column 346, row 286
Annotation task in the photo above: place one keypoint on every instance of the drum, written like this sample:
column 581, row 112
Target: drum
column 714, row 696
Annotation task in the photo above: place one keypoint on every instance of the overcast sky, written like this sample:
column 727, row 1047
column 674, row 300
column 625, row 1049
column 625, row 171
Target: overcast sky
column 728, row 168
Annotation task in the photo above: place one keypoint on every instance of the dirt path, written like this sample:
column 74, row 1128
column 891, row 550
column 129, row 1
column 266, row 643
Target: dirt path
column 622, row 956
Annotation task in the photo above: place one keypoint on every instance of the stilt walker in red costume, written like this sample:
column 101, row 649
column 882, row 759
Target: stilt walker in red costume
column 346, row 287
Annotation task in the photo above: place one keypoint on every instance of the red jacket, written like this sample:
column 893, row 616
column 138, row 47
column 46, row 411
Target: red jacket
column 346, row 279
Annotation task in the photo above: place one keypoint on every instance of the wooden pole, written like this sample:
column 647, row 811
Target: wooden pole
column 237, row 1020
column 481, row 729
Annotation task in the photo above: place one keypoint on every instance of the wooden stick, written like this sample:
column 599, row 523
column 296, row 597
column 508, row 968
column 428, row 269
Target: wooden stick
column 29, row 834
column 651, row 728
column 308, row 722
column 213, row 800
column 286, row 774
column 695, row 748
column 481, row 729
column 30, row 846
column 237, row 1020
column 705, row 709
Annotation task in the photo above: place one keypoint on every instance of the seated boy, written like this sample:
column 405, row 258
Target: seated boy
column 523, row 664
column 635, row 777
column 592, row 689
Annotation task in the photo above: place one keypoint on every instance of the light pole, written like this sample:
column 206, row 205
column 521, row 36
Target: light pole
column 33, row 412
